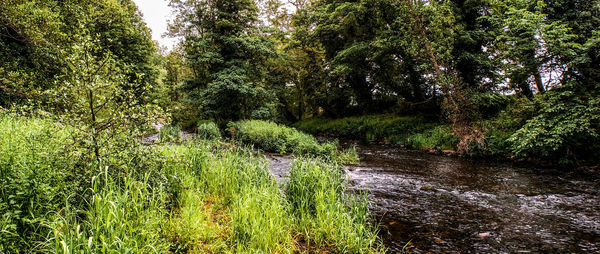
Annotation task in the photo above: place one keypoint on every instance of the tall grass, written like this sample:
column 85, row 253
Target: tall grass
column 439, row 138
column 199, row 197
column 256, row 214
column 120, row 219
column 208, row 130
column 329, row 218
column 272, row 137
column 169, row 133
column 34, row 178
column 369, row 128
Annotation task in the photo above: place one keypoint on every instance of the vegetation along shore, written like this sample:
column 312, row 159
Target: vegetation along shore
column 126, row 132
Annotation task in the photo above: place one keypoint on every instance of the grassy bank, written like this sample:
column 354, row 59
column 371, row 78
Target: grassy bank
column 411, row 131
column 272, row 137
column 199, row 197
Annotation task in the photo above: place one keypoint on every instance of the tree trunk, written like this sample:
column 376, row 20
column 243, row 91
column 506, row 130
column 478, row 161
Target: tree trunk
column 538, row 82
column 300, row 101
column 93, row 125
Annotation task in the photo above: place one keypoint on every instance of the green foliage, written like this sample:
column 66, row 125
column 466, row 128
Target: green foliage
column 318, row 197
column 277, row 138
column 118, row 219
column 440, row 138
column 55, row 198
column 227, row 58
column 169, row 133
column 34, row 178
column 261, row 220
column 565, row 127
column 208, row 130
column 489, row 104
column 33, row 35
column 370, row 128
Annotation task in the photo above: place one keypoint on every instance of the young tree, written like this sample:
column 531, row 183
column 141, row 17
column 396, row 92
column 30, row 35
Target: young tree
column 97, row 99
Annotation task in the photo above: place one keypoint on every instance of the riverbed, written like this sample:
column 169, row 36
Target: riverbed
column 441, row 204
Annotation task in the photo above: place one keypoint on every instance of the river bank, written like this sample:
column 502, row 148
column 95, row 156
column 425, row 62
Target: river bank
column 171, row 196
column 434, row 137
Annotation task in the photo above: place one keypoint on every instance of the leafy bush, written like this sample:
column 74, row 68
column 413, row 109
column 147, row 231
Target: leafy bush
column 169, row 133
column 439, row 137
column 277, row 138
column 566, row 127
column 490, row 103
column 208, row 131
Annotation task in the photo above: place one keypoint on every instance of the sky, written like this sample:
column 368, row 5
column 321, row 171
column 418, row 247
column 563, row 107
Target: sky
column 156, row 15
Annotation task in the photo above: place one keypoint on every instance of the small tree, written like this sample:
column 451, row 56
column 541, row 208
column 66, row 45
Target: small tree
column 94, row 97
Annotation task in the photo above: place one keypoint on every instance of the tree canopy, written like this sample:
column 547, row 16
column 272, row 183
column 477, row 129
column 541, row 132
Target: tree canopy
column 460, row 62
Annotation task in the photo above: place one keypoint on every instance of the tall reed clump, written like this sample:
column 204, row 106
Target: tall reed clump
column 329, row 217
column 119, row 218
column 208, row 130
column 273, row 137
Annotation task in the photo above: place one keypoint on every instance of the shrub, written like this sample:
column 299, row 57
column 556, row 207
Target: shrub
column 566, row 126
column 208, row 131
column 277, row 138
column 490, row 103
column 169, row 133
column 439, row 137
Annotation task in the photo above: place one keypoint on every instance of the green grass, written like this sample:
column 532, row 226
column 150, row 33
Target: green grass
column 410, row 131
column 329, row 217
column 169, row 133
column 439, row 138
column 197, row 197
column 118, row 219
column 272, row 137
column 33, row 178
column 208, row 130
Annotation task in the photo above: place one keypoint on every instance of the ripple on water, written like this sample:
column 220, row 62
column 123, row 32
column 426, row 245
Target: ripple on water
column 451, row 205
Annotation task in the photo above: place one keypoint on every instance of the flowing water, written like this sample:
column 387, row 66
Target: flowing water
column 451, row 205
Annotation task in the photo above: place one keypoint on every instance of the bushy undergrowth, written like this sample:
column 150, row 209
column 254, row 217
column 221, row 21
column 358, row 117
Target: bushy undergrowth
column 34, row 178
column 322, row 207
column 369, row 128
column 200, row 197
column 272, row 137
column 169, row 133
column 410, row 131
column 208, row 130
column 440, row 138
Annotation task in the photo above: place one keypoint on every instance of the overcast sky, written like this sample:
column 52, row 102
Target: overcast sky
column 156, row 14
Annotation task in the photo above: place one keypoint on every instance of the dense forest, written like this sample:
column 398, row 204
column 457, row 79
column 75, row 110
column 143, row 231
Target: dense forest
column 81, row 81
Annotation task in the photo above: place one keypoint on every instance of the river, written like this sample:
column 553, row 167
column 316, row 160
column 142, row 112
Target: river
column 451, row 205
